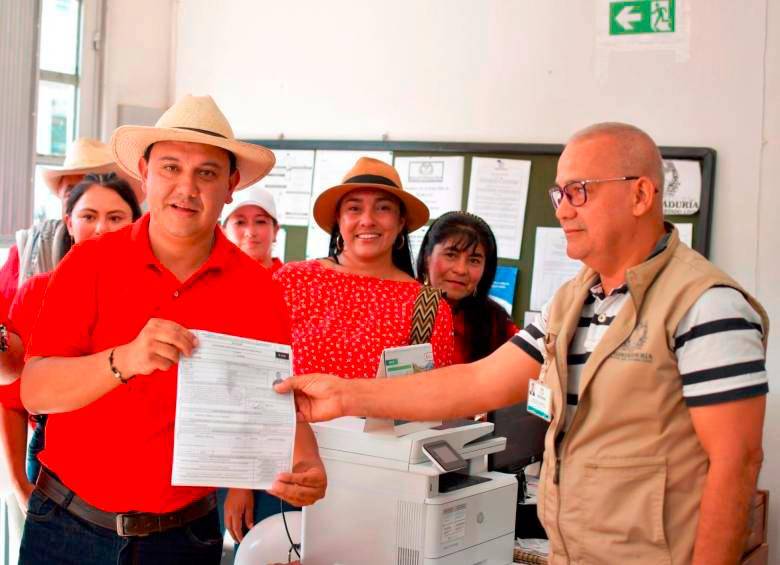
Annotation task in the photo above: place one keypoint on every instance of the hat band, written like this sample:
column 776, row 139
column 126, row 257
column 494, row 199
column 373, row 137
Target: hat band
column 207, row 132
column 371, row 179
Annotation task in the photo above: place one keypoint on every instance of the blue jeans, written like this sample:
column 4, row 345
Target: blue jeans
column 35, row 447
column 54, row 535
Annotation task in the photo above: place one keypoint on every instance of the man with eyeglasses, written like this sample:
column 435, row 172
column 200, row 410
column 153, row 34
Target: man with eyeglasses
column 649, row 365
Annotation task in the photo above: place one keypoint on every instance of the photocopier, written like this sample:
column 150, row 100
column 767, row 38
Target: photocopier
column 423, row 498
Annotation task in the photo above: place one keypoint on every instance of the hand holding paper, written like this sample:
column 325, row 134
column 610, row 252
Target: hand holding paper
column 158, row 346
column 305, row 486
column 317, row 396
column 232, row 429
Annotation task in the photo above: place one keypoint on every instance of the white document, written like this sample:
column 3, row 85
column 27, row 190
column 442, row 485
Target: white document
column 498, row 191
column 329, row 170
column 682, row 187
column 437, row 181
column 415, row 243
column 232, row 429
column 686, row 233
column 290, row 183
column 398, row 362
column 552, row 267
column 280, row 245
column 317, row 242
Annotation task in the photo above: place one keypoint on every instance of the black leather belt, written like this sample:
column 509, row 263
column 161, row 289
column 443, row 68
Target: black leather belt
column 128, row 524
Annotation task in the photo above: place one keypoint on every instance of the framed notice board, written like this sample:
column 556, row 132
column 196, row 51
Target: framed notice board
column 539, row 211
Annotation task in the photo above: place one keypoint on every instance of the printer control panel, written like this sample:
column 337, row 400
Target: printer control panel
column 443, row 456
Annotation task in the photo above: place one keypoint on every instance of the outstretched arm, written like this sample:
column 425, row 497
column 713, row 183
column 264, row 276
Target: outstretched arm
column 498, row 380
column 60, row 384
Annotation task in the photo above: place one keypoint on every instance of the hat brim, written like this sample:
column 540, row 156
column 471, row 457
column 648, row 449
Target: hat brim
column 52, row 177
column 129, row 143
column 230, row 209
column 325, row 207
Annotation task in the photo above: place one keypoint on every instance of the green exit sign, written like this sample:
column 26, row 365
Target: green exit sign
column 641, row 16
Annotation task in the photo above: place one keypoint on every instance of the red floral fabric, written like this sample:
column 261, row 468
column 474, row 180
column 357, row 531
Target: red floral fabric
column 341, row 322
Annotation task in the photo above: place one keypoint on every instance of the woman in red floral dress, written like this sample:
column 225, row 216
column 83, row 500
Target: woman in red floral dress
column 347, row 308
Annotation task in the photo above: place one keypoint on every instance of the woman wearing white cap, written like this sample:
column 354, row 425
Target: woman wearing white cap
column 250, row 221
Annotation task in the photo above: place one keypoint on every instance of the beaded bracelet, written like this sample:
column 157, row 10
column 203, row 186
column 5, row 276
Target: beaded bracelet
column 114, row 370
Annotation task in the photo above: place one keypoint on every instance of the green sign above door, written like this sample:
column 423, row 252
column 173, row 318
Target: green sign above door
column 641, row 16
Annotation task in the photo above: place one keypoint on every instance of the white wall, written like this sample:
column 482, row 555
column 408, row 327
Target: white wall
column 483, row 71
column 137, row 66
column 518, row 71
column 768, row 266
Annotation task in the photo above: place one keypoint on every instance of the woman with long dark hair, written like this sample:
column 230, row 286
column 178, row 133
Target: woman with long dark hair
column 347, row 308
column 100, row 203
column 459, row 256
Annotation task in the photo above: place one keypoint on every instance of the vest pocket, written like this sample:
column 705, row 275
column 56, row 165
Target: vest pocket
column 623, row 503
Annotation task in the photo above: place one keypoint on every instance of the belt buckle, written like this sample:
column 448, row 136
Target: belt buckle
column 121, row 529
column 120, row 526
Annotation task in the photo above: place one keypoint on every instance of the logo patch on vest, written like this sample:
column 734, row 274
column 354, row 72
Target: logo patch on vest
column 631, row 350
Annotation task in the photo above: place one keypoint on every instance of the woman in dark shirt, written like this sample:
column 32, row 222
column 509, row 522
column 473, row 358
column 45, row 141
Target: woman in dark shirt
column 458, row 255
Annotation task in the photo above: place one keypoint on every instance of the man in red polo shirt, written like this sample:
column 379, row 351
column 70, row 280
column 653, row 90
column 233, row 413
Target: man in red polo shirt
column 104, row 354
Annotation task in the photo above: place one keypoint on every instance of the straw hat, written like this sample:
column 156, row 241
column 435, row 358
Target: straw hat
column 371, row 174
column 86, row 156
column 195, row 119
column 252, row 196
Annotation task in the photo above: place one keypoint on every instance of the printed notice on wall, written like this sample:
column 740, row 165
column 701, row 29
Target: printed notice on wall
column 682, row 187
column 497, row 193
column 504, row 285
column 552, row 267
column 415, row 243
column 279, row 247
column 290, row 183
column 686, row 233
column 437, row 181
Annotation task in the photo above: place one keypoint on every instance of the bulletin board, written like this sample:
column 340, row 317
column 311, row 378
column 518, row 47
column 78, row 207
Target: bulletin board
column 539, row 211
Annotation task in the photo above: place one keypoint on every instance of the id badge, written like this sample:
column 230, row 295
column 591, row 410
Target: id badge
column 539, row 400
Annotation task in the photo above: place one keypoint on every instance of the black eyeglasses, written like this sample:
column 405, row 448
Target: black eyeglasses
column 577, row 191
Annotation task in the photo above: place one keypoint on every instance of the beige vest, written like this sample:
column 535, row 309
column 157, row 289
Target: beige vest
column 625, row 483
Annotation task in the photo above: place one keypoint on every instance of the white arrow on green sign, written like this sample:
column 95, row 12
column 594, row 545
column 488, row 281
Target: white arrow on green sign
column 641, row 16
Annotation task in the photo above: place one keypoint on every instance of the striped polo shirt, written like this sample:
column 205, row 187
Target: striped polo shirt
column 718, row 344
